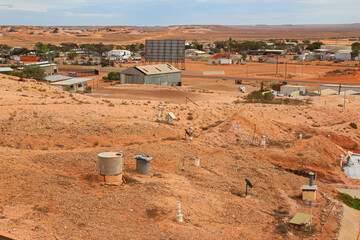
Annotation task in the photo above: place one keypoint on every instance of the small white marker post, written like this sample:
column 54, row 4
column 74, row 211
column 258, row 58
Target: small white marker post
column 169, row 119
column 341, row 159
column 263, row 141
column 197, row 161
column 159, row 114
column 179, row 215
column 300, row 135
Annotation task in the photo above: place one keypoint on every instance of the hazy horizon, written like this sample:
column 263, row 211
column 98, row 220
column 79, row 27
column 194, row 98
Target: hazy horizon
column 226, row 25
column 176, row 12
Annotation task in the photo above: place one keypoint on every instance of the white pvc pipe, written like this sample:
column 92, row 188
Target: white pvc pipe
column 179, row 215
column 263, row 141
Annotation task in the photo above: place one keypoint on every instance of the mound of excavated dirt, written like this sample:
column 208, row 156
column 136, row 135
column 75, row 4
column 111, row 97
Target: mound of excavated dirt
column 49, row 141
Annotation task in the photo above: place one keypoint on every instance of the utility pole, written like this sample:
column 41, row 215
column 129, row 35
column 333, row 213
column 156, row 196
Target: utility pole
column 302, row 69
column 277, row 65
column 51, row 67
column 285, row 70
column 339, row 88
column 247, row 71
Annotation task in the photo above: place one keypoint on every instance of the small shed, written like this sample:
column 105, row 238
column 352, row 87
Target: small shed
column 289, row 89
column 160, row 74
column 309, row 192
column 5, row 69
column 73, row 84
column 301, row 220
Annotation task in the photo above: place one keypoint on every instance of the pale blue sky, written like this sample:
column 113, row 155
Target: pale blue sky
column 177, row 12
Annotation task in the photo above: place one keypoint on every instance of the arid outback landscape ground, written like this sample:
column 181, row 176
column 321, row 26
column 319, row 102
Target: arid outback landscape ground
column 329, row 34
column 49, row 141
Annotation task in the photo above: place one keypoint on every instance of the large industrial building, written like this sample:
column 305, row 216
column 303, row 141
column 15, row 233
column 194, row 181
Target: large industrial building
column 160, row 74
column 123, row 54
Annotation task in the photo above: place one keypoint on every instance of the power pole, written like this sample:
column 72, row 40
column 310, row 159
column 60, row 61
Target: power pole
column 285, row 70
column 247, row 71
column 277, row 65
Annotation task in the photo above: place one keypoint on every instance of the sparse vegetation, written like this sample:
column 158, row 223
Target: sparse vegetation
column 112, row 76
column 353, row 125
column 269, row 98
column 349, row 200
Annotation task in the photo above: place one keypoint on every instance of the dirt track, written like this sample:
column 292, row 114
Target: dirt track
column 151, row 93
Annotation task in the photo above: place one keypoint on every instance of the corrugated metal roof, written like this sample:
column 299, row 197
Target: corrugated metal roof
column 301, row 218
column 56, row 78
column 6, row 69
column 47, row 65
column 291, row 86
column 344, row 51
column 37, row 63
column 157, row 69
column 71, row 81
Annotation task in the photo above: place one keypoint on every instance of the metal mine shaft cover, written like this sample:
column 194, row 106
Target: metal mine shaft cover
column 110, row 163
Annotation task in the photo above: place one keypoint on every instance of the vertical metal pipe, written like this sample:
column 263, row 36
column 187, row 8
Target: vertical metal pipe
column 312, row 175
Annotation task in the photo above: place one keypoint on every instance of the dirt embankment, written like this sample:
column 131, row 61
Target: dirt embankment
column 49, row 141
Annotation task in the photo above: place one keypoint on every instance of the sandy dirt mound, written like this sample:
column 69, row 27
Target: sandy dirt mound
column 49, row 141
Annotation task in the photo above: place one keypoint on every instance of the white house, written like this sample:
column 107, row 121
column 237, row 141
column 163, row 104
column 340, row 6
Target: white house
column 344, row 55
column 122, row 54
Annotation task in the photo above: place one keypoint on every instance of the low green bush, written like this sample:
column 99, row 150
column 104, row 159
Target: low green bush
column 349, row 200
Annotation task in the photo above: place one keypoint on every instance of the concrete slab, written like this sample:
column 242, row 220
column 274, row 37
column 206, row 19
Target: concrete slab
column 214, row 73
column 349, row 224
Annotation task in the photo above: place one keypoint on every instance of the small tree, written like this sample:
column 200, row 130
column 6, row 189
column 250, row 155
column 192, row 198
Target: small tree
column 274, row 86
column 314, row 45
column 114, row 76
column 43, row 49
column 268, row 96
column 254, row 95
column 72, row 55
column 243, row 55
column 19, row 51
column 355, row 49
column 105, row 62
column 35, row 72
